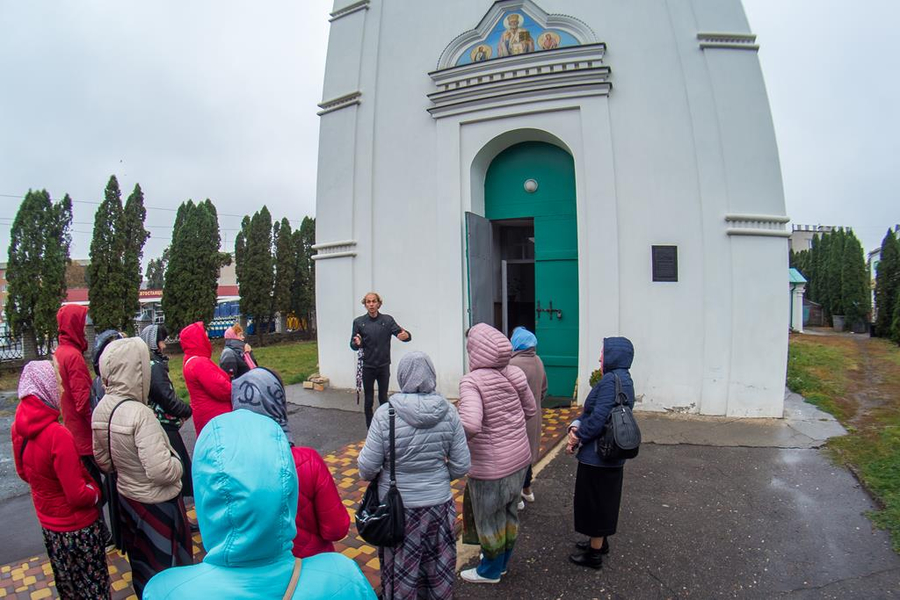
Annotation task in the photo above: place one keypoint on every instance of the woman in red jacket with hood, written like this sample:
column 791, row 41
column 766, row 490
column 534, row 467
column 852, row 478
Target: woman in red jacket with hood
column 321, row 516
column 76, row 382
column 208, row 385
column 65, row 496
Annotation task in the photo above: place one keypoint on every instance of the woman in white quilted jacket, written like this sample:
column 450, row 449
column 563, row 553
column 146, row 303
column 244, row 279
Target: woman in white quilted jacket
column 128, row 439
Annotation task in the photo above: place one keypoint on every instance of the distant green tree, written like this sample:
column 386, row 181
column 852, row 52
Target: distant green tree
column 135, row 237
column 303, row 289
column 191, row 276
column 107, row 282
column 855, row 296
column 895, row 321
column 887, row 284
column 255, row 269
column 285, row 268
column 156, row 271
column 35, row 271
column 833, row 266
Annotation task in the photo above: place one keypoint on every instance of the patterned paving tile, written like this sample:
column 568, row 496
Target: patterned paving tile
column 32, row 578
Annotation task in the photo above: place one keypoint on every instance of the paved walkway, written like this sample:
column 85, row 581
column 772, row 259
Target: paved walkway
column 32, row 577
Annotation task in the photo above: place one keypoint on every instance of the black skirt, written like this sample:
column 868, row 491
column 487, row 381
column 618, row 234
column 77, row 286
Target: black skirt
column 598, row 493
column 187, row 486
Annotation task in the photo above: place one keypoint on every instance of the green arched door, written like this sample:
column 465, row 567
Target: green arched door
column 552, row 208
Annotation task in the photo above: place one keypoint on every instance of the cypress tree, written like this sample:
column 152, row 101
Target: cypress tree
column 833, row 266
column 37, row 258
column 303, row 289
column 285, row 269
column 256, row 278
column 895, row 321
column 190, row 282
column 855, row 298
column 107, row 285
column 156, row 271
column 135, row 237
column 821, row 272
column 887, row 284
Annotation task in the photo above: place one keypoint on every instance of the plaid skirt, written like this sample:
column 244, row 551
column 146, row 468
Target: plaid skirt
column 78, row 559
column 156, row 537
column 424, row 565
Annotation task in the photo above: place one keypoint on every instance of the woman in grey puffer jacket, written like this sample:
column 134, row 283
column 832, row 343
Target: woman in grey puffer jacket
column 430, row 450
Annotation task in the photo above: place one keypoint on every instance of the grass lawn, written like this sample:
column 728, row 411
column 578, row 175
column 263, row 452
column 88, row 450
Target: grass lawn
column 294, row 361
column 858, row 381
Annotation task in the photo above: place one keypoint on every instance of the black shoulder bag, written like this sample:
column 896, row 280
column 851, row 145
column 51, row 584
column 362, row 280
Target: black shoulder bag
column 383, row 523
column 621, row 437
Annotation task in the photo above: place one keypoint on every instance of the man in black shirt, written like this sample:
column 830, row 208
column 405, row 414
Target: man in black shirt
column 372, row 332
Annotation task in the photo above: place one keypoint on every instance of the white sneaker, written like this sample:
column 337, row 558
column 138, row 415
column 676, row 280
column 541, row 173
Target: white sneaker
column 528, row 497
column 521, row 505
column 472, row 576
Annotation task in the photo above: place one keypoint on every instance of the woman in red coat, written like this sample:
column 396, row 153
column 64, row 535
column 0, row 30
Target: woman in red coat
column 208, row 385
column 65, row 496
column 321, row 516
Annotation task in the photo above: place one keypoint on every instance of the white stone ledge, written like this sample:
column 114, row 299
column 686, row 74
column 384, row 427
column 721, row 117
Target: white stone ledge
column 728, row 41
column 349, row 9
column 759, row 218
column 326, row 245
column 759, row 232
column 340, row 102
column 333, row 255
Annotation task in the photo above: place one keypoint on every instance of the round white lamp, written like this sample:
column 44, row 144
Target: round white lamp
column 531, row 186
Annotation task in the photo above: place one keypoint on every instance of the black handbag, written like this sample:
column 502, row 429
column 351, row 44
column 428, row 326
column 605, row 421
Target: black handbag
column 383, row 523
column 621, row 436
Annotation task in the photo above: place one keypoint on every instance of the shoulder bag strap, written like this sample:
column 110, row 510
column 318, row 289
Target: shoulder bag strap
column 393, row 446
column 109, row 430
column 22, row 452
column 295, row 577
column 619, row 391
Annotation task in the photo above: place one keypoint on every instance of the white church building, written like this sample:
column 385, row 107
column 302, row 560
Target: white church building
column 585, row 168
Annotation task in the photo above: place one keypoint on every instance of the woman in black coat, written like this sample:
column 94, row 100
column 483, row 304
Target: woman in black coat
column 171, row 410
column 598, row 483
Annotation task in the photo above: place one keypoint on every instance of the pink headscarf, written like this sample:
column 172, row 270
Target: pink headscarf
column 230, row 334
column 39, row 379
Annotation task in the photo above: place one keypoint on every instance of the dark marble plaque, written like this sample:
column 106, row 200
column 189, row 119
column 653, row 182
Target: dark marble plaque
column 665, row 263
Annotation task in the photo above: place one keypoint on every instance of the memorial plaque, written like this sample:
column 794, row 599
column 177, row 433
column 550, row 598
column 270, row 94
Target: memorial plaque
column 665, row 263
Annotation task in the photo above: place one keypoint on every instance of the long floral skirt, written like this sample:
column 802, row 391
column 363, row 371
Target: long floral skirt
column 156, row 537
column 424, row 565
column 491, row 512
column 78, row 559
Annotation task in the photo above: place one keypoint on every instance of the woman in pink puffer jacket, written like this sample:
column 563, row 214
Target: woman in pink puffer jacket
column 494, row 402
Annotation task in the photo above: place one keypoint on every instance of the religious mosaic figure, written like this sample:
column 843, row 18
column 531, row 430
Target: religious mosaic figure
column 548, row 40
column 514, row 40
column 481, row 53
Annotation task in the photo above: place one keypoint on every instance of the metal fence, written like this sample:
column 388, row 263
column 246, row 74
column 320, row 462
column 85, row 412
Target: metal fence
column 11, row 349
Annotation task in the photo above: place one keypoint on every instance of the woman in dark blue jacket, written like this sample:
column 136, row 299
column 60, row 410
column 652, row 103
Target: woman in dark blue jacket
column 598, row 483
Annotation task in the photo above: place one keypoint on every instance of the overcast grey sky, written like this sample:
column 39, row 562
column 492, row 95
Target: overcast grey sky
column 217, row 99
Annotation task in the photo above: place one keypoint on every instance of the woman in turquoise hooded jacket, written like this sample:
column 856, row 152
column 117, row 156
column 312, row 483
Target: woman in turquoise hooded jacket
column 245, row 488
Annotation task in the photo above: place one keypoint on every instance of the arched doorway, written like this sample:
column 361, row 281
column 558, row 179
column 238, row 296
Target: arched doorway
column 528, row 254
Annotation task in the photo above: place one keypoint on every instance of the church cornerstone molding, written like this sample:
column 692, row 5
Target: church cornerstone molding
column 339, row 103
column 349, row 9
column 576, row 71
column 728, row 41
column 339, row 249
column 757, row 225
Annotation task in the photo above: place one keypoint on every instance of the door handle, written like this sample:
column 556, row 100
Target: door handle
column 550, row 310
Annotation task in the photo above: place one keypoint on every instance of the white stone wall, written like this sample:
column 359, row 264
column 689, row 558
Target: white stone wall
column 683, row 140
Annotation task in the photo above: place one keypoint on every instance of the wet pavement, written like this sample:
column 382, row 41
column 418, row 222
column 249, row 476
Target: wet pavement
column 706, row 517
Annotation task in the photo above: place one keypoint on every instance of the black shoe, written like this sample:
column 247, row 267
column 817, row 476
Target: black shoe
column 586, row 545
column 590, row 558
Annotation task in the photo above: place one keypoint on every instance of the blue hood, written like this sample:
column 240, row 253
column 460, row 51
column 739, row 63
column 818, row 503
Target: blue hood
column 618, row 353
column 246, row 499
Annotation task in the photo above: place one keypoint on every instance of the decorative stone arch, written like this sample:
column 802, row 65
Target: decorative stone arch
column 577, row 28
